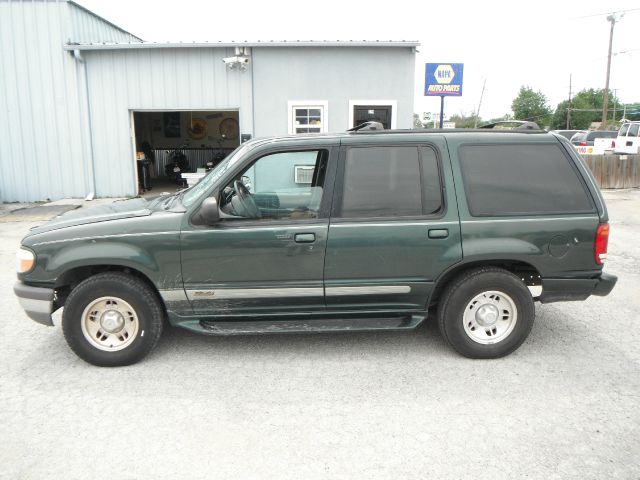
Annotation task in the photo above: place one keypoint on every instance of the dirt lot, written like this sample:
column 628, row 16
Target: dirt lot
column 353, row 405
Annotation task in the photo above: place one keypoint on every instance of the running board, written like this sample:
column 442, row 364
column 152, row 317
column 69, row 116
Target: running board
column 243, row 327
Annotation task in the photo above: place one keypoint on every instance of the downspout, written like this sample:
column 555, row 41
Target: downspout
column 77, row 55
column 253, row 97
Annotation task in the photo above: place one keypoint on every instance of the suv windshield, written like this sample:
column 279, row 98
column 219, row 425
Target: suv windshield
column 192, row 194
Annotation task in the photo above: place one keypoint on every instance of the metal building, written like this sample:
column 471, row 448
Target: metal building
column 80, row 97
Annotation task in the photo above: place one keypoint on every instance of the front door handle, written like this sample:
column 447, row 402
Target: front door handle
column 305, row 237
column 438, row 233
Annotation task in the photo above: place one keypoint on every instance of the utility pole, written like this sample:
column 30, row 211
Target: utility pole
column 605, row 104
column 569, row 109
column 475, row 122
column 615, row 97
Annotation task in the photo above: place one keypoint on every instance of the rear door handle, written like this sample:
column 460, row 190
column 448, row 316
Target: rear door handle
column 305, row 237
column 438, row 233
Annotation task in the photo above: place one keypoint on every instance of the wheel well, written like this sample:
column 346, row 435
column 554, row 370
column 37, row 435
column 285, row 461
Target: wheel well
column 66, row 282
column 527, row 272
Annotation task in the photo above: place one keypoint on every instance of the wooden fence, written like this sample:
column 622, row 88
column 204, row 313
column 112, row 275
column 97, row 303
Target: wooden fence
column 615, row 171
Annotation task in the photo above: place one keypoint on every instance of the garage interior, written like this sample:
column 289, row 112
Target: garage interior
column 196, row 140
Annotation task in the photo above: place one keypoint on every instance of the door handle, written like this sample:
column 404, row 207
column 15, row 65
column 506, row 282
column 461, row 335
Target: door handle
column 438, row 233
column 305, row 237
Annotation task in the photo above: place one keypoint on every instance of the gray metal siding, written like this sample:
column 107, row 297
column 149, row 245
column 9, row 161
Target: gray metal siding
column 121, row 81
column 40, row 149
column 336, row 75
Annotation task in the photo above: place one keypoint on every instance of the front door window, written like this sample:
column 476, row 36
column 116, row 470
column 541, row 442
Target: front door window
column 284, row 185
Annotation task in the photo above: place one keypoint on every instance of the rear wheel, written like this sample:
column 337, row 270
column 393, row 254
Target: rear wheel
column 112, row 319
column 486, row 313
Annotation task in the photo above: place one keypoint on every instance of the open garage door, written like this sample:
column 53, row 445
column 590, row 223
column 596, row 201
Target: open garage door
column 173, row 146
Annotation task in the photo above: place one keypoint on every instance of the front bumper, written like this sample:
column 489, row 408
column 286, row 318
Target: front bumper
column 36, row 302
column 571, row 289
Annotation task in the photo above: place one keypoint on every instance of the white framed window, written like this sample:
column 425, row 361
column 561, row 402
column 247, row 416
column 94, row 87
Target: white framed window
column 391, row 105
column 308, row 116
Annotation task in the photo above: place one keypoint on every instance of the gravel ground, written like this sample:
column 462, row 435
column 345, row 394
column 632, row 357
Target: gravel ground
column 352, row 405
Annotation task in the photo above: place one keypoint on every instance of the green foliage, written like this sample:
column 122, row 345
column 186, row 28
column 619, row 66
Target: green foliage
column 586, row 108
column 464, row 121
column 531, row 106
column 633, row 111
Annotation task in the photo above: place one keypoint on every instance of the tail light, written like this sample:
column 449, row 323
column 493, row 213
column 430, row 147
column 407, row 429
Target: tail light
column 584, row 144
column 600, row 247
column 613, row 144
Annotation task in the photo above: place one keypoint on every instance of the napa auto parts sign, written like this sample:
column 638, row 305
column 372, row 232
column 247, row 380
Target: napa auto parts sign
column 443, row 79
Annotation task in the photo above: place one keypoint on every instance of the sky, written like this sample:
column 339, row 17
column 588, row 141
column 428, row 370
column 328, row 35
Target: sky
column 508, row 44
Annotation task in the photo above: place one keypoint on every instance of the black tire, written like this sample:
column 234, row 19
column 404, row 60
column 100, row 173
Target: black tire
column 457, row 297
column 142, row 299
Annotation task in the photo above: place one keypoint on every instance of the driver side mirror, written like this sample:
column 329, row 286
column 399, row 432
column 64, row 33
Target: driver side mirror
column 209, row 213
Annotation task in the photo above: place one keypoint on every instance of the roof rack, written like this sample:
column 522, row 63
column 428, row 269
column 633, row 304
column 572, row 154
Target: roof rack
column 513, row 125
column 367, row 126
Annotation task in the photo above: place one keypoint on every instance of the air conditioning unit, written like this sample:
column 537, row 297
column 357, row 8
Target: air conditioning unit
column 304, row 173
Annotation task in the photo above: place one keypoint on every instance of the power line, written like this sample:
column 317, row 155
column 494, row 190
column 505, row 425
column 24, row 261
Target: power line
column 601, row 14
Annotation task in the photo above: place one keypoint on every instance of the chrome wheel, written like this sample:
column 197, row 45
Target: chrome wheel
column 490, row 317
column 110, row 324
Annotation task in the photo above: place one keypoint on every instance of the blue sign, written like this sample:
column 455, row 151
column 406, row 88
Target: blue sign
column 443, row 79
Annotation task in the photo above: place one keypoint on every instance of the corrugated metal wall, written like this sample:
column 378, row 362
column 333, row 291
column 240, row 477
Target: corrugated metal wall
column 336, row 75
column 42, row 149
column 121, row 81
column 87, row 27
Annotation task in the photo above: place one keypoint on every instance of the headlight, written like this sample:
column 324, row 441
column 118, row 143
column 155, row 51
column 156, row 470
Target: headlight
column 25, row 260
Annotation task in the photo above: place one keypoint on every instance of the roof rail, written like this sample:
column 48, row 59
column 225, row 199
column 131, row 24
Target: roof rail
column 367, row 126
column 513, row 125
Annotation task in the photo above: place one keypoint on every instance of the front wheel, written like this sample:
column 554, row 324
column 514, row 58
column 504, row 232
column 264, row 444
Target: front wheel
column 486, row 313
column 112, row 319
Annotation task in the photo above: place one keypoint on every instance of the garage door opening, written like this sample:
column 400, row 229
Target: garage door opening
column 176, row 147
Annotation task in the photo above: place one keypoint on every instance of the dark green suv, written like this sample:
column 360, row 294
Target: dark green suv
column 355, row 231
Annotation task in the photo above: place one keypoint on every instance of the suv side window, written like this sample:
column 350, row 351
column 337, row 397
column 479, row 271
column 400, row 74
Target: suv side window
column 283, row 185
column 523, row 179
column 633, row 130
column 390, row 181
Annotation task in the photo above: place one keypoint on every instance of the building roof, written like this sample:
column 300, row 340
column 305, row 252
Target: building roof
column 232, row 44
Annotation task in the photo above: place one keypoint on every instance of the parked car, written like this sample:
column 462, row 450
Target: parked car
column 567, row 133
column 595, row 142
column 628, row 140
column 381, row 230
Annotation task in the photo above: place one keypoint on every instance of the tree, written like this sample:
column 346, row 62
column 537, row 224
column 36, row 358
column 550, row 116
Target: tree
column 633, row 111
column 531, row 106
column 464, row 121
column 416, row 121
column 586, row 108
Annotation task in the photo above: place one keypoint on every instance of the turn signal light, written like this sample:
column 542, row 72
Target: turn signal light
column 602, row 240
column 25, row 260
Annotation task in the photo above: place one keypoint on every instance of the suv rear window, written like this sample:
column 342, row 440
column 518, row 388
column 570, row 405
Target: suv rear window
column 521, row 180
column 391, row 182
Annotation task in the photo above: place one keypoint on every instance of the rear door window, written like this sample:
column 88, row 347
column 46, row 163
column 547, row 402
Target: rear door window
column 523, row 179
column 390, row 181
column 633, row 130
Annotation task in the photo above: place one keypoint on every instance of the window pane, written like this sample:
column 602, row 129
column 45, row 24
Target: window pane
column 521, row 179
column 309, row 115
column 381, row 182
column 633, row 130
column 624, row 129
column 431, row 181
column 281, row 186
